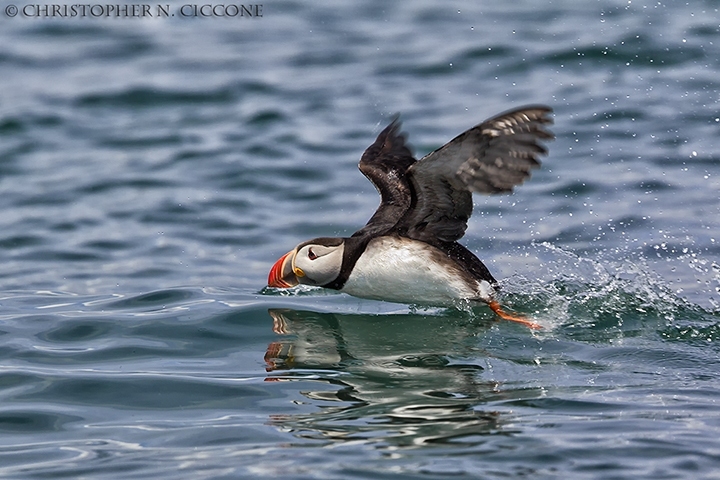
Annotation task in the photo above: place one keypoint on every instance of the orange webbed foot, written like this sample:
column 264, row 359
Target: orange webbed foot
column 495, row 307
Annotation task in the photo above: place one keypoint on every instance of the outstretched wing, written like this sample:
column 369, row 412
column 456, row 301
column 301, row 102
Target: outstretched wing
column 492, row 157
column 385, row 163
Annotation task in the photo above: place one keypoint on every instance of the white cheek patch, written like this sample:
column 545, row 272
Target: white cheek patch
column 324, row 268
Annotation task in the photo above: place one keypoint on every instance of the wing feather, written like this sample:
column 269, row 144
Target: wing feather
column 385, row 163
column 491, row 157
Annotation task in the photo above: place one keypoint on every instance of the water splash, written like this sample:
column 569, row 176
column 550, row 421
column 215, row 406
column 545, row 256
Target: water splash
column 587, row 296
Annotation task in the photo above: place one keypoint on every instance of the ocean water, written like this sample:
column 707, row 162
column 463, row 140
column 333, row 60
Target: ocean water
column 152, row 169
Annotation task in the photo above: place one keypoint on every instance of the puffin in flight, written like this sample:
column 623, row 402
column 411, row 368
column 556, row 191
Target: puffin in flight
column 408, row 252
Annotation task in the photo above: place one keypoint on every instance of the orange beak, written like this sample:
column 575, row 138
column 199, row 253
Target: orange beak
column 281, row 274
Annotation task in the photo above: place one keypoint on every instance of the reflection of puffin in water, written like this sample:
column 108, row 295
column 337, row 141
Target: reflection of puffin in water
column 378, row 379
column 408, row 251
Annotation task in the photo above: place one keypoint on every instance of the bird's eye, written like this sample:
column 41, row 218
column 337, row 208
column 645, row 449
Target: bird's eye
column 311, row 254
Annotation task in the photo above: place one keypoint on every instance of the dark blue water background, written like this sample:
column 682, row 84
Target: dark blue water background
column 152, row 169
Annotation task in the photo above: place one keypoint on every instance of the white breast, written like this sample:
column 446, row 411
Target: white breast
column 402, row 270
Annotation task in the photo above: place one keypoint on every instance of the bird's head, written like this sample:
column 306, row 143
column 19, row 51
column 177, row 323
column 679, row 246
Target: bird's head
column 316, row 262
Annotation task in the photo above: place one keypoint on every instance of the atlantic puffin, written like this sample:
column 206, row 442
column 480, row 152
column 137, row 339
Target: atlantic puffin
column 408, row 252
